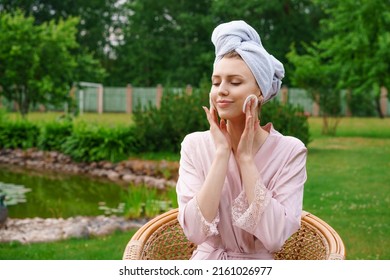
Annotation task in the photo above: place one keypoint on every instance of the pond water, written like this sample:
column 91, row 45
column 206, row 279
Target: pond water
column 53, row 194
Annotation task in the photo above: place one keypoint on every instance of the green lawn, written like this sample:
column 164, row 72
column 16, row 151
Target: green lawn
column 98, row 248
column 348, row 186
column 111, row 119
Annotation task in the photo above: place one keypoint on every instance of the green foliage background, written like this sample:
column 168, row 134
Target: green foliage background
column 153, row 130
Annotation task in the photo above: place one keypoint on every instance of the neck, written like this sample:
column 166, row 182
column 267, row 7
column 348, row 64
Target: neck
column 236, row 128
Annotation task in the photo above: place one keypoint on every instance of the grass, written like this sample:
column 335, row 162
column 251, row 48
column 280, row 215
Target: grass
column 348, row 186
column 354, row 127
column 110, row 119
column 109, row 247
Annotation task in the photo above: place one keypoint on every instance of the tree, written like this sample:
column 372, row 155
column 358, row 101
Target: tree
column 97, row 18
column 352, row 55
column 356, row 35
column 280, row 23
column 170, row 41
column 39, row 63
column 313, row 73
column 165, row 42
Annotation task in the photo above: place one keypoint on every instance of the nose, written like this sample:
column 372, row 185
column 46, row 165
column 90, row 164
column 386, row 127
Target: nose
column 222, row 90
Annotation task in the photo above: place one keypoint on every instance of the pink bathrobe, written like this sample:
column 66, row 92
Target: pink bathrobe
column 242, row 230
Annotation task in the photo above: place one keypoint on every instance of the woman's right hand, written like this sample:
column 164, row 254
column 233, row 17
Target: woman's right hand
column 218, row 130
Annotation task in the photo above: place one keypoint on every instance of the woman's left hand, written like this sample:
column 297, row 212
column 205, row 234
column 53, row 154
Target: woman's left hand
column 245, row 148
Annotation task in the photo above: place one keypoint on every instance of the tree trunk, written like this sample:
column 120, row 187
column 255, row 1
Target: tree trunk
column 24, row 102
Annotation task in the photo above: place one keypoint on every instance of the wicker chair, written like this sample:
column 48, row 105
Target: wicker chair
column 162, row 238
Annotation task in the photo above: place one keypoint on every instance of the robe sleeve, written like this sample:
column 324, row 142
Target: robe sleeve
column 195, row 226
column 275, row 213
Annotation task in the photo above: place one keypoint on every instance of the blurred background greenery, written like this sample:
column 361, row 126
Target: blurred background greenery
column 336, row 51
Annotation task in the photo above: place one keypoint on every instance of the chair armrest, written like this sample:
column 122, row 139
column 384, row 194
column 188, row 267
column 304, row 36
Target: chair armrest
column 133, row 250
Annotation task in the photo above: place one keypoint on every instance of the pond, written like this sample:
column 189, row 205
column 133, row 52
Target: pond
column 49, row 194
column 54, row 195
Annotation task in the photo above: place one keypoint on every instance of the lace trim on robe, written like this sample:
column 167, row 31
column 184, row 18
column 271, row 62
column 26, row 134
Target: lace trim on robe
column 208, row 228
column 246, row 216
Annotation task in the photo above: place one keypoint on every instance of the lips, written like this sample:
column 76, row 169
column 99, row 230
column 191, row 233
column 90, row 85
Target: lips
column 224, row 103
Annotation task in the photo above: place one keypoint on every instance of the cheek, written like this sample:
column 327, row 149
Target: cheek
column 213, row 95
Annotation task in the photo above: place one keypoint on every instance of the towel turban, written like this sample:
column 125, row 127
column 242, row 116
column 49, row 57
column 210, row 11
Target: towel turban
column 240, row 37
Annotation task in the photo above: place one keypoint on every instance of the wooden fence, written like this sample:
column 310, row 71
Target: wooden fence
column 91, row 97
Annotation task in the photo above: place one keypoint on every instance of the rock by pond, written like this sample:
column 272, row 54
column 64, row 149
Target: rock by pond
column 33, row 230
column 158, row 175
column 155, row 174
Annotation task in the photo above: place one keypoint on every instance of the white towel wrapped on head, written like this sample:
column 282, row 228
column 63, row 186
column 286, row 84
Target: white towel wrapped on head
column 241, row 37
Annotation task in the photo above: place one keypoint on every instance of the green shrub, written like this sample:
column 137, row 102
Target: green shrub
column 89, row 143
column 18, row 134
column 163, row 129
column 54, row 134
column 3, row 115
column 362, row 104
column 287, row 119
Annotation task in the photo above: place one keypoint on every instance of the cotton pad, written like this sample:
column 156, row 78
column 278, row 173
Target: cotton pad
column 252, row 96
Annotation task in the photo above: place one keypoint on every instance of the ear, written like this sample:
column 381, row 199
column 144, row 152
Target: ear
column 260, row 99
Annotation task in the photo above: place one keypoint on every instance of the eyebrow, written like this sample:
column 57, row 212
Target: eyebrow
column 229, row 76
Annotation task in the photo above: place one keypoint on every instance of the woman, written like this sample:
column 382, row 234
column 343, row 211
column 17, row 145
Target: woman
column 240, row 186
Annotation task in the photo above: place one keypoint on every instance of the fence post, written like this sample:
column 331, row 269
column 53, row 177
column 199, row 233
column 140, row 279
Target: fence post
column 100, row 99
column 284, row 91
column 72, row 96
column 129, row 99
column 188, row 89
column 159, row 95
column 383, row 101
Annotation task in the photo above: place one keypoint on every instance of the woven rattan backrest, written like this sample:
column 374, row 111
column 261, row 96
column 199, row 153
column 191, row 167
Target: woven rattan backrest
column 306, row 244
column 163, row 239
column 168, row 243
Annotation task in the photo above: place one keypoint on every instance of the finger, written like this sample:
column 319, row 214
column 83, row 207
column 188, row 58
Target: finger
column 223, row 125
column 248, row 107
column 256, row 124
column 248, row 127
column 250, row 112
column 249, row 124
column 208, row 114
column 206, row 110
column 214, row 114
column 253, row 107
column 211, row 118
column 255, row 115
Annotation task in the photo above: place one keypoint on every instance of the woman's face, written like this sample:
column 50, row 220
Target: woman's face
column 232, row 83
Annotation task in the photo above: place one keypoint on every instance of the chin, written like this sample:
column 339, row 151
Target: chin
column 224, row 115
column 228, row 115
